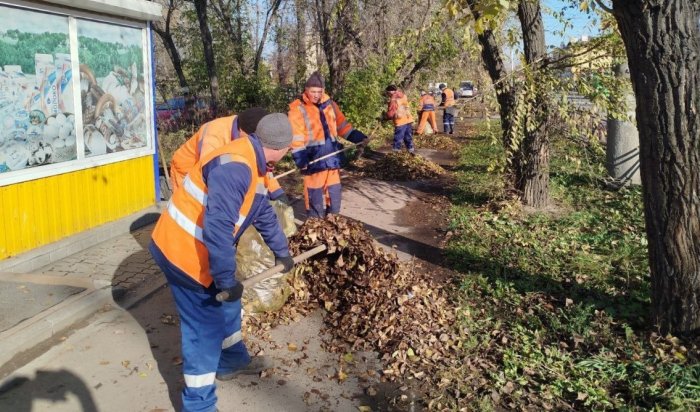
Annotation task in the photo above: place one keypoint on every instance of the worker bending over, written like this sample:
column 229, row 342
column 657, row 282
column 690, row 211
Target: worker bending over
column 427, row 112
column 213, row 135
column 194, row 243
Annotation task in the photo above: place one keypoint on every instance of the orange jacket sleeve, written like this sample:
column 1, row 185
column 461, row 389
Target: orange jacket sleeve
column 344, row 128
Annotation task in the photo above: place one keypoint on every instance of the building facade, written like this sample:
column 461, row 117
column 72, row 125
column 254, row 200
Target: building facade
column 77, row 136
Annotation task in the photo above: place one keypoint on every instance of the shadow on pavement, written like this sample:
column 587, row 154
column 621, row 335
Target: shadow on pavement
column 160, row 323
column 53, row 386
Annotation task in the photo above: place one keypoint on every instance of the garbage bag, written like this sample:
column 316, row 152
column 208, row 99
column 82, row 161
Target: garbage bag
column 253, row 257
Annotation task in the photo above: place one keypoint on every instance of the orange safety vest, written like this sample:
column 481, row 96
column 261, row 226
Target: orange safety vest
column 449, row 97
column 211, row 136
column 305, row 118
column 308, row 133
column 178, row 233
column 427, row 103
column 403, row 112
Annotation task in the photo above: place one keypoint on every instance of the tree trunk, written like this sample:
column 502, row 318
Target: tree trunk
column 407, row 81
column 662, row 41
column 269, row 17
column 201, row 8
column 335, row 25
column 505, row 94
column 166, row 36
column 300, row 44
column 174, row 54
column 224, row 12
column 531, row 160
column 323, row 21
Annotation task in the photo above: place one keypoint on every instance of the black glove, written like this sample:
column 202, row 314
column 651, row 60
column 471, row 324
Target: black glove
column 287, row 261
column 284, row 199
column 357, row 136
column 234, row 293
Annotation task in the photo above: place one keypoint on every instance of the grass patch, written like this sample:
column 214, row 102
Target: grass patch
column 553, row 307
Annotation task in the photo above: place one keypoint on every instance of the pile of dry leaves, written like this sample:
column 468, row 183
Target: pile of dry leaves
column 399, row 166
column 371, row 302
column 437, row 142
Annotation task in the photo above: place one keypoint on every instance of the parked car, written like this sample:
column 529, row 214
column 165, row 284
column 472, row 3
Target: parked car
column 170, row 109
column 466, row 89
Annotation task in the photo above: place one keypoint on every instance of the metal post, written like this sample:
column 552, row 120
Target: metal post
column 622, row 151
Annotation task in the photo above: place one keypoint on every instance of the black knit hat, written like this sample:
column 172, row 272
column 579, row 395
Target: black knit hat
column 315, row 80
column 391, row 88
column 248, row 119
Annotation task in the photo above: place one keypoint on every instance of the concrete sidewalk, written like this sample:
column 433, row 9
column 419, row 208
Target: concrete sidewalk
column 40, row 304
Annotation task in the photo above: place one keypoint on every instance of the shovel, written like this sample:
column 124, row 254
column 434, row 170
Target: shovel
column 222, row 296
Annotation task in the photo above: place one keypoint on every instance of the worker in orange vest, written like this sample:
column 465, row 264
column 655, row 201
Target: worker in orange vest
column 427, row 109
column 399, row 113
column 317, row 122
column 448, row 102
column 213, row 135
column 194, row 243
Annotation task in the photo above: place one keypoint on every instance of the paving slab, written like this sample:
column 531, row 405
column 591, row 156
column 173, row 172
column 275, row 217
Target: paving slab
column 22, row 300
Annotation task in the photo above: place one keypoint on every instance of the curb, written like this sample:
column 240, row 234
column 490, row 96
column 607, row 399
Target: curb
column 56, row 319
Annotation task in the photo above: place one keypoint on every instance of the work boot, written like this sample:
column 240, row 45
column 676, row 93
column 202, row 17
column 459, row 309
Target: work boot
column 257, row 364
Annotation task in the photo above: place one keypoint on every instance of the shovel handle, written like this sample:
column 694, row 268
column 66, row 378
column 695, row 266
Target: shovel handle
column 350, row 146
column 289, row 172
column 222, row 296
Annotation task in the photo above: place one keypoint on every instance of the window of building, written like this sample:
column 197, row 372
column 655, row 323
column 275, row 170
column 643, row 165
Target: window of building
column 75, row 91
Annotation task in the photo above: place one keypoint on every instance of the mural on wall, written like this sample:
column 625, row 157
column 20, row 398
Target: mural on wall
column 36, row 95
column 112, row 87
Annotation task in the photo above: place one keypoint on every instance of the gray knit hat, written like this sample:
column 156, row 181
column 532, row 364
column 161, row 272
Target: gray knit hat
column 274, row 131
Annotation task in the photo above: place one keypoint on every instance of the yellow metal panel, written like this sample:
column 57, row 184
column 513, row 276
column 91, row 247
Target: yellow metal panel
column 42, row 211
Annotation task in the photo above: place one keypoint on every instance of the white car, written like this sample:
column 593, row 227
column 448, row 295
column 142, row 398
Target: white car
column 466, row 89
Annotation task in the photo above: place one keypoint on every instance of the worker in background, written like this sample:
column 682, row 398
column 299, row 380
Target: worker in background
column 317, row 122
column 448, row 102
column 427, row 110
column 399, row 113
column 194, row 243
column 213, row 135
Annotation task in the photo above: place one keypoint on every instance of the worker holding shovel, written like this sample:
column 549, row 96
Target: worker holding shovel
column 317, row 122
column 194, row 243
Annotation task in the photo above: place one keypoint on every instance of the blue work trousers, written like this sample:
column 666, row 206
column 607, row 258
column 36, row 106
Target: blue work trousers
column 403, row 134
column 211, row 343
column 448, row 123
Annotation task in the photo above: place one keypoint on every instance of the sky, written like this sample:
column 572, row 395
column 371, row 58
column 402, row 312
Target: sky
column 583, row 24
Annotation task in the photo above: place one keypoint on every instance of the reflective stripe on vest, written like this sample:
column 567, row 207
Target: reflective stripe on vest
column 307, row 122
column 194, row 191
column 201, row 140
column 185, row 223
